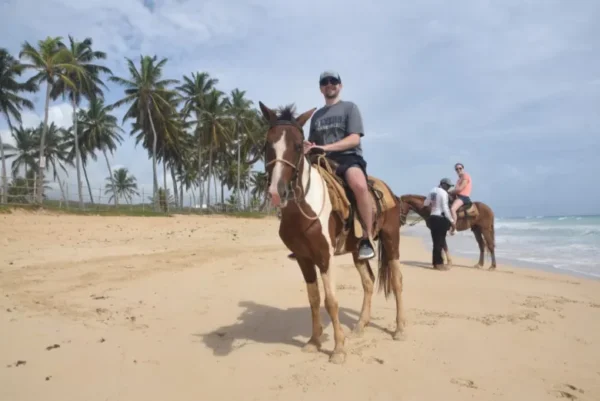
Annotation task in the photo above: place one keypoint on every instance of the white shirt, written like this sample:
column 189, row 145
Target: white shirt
column 438, row 199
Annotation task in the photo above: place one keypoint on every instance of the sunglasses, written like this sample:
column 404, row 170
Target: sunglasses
column 326, row 81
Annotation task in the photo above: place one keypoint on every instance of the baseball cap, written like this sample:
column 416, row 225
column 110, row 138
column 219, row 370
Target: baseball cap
column 446, row 181
column 330, row 74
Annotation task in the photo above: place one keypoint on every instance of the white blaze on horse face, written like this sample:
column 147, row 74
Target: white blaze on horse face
column 279, row 148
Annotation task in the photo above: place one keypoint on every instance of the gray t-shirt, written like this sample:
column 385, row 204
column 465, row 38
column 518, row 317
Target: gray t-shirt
column 332, row 123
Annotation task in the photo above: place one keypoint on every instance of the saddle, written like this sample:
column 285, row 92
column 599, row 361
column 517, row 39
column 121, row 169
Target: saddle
column 343, row 201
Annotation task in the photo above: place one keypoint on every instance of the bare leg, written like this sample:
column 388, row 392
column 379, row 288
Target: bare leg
column 358, row 183
column 489, row 240
column 455, row 205
column 448, row 258
column 312, row 286
column 477, row 231
column 367, row 283
column 331, row 304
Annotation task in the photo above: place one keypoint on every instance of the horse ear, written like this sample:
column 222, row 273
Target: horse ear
column 303, row 118
column 268, row 114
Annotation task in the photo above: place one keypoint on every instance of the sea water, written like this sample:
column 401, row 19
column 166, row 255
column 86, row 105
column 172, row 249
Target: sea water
column 570, row 244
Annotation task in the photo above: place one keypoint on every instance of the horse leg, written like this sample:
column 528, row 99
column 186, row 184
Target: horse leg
column 331, row 304
column 312, row 286
column 478, row 236
column 368, row 281
column 488, row 234
column 390, row 258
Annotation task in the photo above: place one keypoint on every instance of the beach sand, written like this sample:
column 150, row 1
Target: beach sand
column 210, row 308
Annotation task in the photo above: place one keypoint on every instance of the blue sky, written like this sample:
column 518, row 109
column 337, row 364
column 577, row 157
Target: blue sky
column 509, row 88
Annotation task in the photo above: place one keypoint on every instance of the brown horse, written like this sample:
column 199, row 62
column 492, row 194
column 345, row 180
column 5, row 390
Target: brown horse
column 311, row 226
column 477, row 216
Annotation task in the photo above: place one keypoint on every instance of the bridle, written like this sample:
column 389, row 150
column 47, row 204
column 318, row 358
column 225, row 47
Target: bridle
column 293, row 184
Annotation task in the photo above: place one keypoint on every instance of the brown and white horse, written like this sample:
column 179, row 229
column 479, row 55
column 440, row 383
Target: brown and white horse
column 309, row 228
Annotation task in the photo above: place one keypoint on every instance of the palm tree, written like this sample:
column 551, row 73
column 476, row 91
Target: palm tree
column 121, row 184
column 56, row 151
column 194, row 93
column 76, row 145
column 83, row 81
column 100, row 131
column 213, row 121
column 25, row 151
column 53, row 62
column 238, row 109
column 259, row 184
column 11, row 103
column 147, row 94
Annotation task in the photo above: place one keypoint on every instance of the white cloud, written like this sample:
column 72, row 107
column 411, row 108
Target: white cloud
column 493, row 83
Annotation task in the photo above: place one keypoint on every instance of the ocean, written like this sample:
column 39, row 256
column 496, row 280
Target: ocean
column 567, row 244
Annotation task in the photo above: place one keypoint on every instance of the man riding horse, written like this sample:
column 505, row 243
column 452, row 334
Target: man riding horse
column 336, row 129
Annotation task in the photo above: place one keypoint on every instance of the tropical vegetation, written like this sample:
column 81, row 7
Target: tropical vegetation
column 206, row 141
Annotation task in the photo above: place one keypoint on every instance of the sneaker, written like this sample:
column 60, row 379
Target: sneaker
column 365, row 250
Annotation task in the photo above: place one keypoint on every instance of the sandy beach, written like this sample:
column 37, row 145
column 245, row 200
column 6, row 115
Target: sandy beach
column 209, row 308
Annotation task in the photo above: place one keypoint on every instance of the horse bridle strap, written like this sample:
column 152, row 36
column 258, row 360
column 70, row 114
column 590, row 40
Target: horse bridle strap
column 296, row 167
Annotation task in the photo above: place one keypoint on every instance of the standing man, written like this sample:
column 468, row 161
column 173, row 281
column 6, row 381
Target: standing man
column 462, row 191
column 336, row 128
column 439, row 220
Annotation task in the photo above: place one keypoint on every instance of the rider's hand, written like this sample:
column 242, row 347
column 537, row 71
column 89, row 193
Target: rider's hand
column 308, row 146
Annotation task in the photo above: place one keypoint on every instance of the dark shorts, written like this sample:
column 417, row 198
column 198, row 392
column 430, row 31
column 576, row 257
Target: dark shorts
column 347, row 161
column 465, row 199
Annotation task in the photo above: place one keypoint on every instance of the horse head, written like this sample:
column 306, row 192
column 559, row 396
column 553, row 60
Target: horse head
column 411, row 202
column 284, row 152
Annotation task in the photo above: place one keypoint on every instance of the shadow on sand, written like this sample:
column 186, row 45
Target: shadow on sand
column 271, row 325
column 423, row 265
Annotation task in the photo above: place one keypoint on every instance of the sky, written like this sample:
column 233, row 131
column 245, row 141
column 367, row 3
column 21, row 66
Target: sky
column 509, row 88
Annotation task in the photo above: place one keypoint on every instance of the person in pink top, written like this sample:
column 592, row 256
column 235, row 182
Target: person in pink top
column 462, row 190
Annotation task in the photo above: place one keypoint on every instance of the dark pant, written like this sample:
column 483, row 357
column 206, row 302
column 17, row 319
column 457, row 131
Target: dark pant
column 438, row 226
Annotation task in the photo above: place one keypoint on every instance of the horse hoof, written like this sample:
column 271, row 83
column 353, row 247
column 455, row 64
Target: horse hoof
column 492, row 267
column 357, row 331
column 477, row 266
column 311, row 347
column 399, row 336
column 338, row 357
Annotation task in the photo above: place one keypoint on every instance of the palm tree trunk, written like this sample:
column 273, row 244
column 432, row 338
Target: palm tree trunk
column 155, row 178
column 165, row 184
column 210, row 170
column 239, row 200
column 4, row 176
column 77, row 154
column 222, row 193
column 175, row 192
column 4, row 180
column 89, row 187
column 199, row 161
column 42, row 161
column 112, row 179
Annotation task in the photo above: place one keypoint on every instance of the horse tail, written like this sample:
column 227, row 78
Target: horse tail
column 384, row 270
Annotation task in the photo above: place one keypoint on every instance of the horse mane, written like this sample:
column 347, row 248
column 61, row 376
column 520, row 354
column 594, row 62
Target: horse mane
column 407, row 196
column 287, row 113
